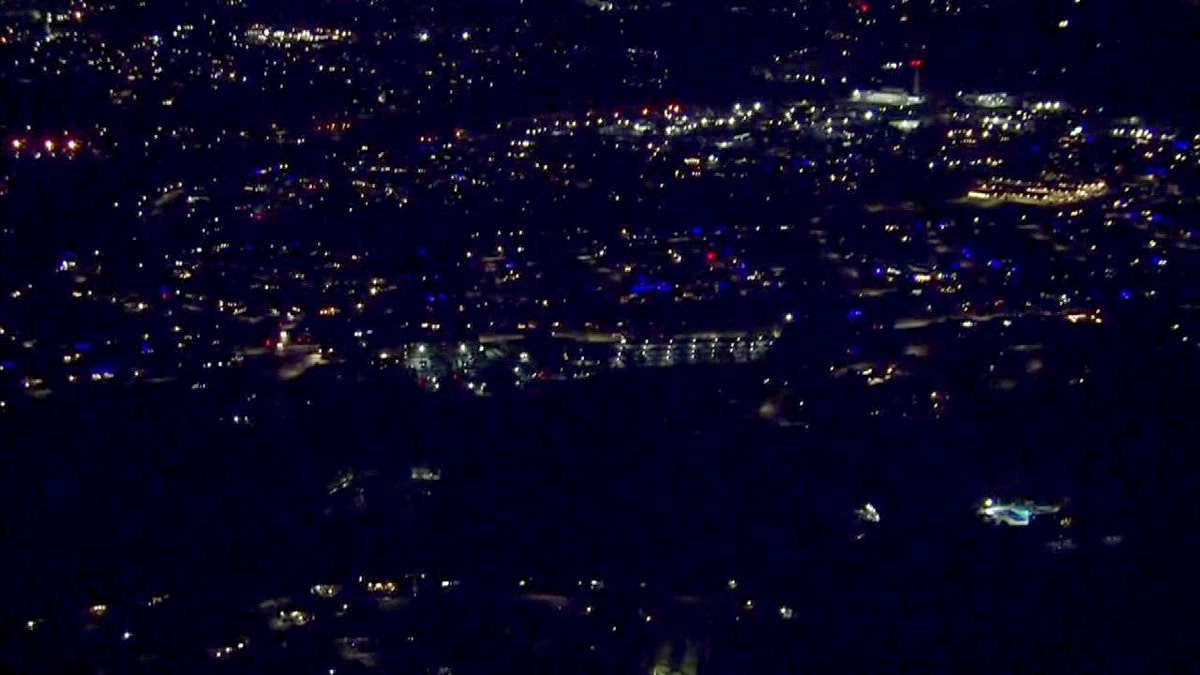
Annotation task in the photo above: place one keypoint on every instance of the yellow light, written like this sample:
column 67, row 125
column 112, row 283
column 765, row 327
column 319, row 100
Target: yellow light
column 49, row 146
column 16, row 144
column 71, row 145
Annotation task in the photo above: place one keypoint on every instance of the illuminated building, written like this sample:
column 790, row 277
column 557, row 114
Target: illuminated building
column 1018, row 513
column 1036, row 193
column 887, row 96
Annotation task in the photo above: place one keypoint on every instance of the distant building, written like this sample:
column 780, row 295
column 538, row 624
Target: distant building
column 997, row 99
column 888, row 96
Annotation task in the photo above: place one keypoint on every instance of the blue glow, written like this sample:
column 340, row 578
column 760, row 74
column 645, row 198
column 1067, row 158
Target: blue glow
column 967, row 253
column 82, row 347
column 878, row 271
column 421, row 251
column 5, row 365
column 164, row 289
column 993, row 263
column 1181, row 145
column 697, row 231
column 146, row 348
column 659, row 287
column 854, row 314
column 1156, row 261
column 1125, row 295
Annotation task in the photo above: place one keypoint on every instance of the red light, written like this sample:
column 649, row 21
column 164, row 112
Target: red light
column 711, row 257
column 916, row 63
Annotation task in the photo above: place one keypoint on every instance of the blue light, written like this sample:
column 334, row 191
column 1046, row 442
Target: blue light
column 659, row 287
column 1181, row 145
column 146, row 348
column 1125, row 295
column 854, row 314
column 697, row 231
column 82, row 347
column 966, row 253
column 421, row 251
column 993, row 263
column 878, row 271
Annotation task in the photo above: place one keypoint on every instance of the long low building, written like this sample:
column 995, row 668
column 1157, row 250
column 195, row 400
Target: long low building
column 1036, row 192
column 897, row 98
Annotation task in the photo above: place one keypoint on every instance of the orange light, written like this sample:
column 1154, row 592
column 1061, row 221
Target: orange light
column 71, row 144
column 49, row 146
column 16, row 144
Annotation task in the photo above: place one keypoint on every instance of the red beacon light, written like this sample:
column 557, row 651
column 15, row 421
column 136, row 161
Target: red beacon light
column 916, row 63
column 711, row 257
